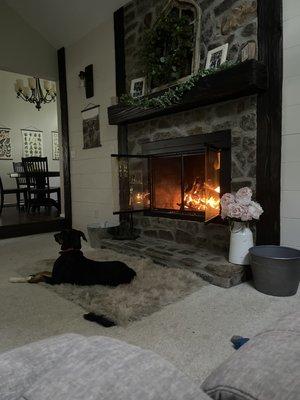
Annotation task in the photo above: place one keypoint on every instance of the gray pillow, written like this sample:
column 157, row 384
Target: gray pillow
column 95, row 368
column 21, row 367
column 290, row 322
column 266, row 368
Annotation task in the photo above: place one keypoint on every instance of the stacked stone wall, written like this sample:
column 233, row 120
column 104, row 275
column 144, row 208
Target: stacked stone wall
column 227, row 21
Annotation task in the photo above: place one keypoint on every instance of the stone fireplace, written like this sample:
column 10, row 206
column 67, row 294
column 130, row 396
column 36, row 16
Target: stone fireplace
column 229, row 131
column 172, row 169
column 176, row 162
column 183, row 166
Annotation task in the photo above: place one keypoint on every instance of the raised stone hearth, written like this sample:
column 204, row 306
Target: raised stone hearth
column 210, row 265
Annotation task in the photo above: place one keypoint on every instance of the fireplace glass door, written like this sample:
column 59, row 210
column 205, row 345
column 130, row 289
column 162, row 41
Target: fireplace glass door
column 186, row 183
column 180, row 184
column 133, row 183
column 166, row 183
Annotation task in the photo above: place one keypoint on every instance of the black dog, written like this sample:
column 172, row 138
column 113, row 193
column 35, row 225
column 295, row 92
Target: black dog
column 72, row 267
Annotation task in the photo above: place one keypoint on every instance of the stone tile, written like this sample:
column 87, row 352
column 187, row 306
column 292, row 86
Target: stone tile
column 190, row 262
column 150, row 233
column 165, row 235
column 224, row 6
column 183, row 237
column 135, row 245
column 210, row 265
column 186, row 252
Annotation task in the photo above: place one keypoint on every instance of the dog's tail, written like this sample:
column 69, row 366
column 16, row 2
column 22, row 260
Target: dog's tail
column 99, row 319
column 20, row 280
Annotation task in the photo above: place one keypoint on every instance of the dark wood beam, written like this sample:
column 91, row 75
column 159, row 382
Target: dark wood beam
column 65, row 135
column 269, row 121
column 120, row 52
column 244, row 79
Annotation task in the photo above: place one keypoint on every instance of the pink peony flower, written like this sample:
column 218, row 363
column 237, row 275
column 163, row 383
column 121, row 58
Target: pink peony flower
column 246, row 215
column 244, row 196
column 240, row 206
column 224, row 212
column 255, row 210
column 227, row 199
column 235, row 211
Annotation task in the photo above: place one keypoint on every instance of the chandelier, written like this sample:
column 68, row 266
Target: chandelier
column 34, row 94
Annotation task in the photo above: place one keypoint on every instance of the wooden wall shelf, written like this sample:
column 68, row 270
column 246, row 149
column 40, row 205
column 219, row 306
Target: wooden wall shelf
column 244, row 79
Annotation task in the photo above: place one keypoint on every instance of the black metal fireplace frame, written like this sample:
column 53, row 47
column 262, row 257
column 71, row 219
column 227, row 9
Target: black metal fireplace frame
column 188, row 145
column 183, row 146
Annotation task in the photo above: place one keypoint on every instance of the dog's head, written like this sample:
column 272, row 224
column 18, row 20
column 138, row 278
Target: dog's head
column 70, row 239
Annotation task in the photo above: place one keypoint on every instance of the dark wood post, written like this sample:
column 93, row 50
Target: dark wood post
column 65, row 135
column 269, row 121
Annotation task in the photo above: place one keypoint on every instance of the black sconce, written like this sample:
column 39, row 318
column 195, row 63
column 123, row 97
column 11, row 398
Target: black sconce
column 87, row 76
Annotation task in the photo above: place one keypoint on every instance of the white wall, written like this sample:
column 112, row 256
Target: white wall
column 91, row 170
column 23, row 49
column 290, row 206
column 16, row 114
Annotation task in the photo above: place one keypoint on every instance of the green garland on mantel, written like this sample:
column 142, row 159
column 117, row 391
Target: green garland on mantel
column 174, row 94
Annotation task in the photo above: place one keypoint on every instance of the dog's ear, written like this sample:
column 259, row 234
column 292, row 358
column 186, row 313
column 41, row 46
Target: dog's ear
column 83, row 236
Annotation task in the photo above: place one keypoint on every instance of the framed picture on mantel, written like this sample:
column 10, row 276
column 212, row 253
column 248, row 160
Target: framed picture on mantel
column 216, row 57
column 138, row 87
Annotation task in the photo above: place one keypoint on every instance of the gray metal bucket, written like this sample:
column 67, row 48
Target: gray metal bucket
column 276, row 270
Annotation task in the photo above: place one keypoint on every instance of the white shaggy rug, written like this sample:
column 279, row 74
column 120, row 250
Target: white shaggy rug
column 154, row 287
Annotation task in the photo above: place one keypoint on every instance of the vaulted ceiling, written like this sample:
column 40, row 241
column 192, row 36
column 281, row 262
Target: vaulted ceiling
column 63, row 22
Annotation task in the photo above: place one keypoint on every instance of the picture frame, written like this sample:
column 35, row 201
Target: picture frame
column 248, row 52
column 91, row 126
column 5, row 144
column 55, row 146
column 32, row 143
column 216, row 57
column 138, row 87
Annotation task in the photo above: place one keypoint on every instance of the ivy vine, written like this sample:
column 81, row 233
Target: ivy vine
column 174, row 94
column 167, row 49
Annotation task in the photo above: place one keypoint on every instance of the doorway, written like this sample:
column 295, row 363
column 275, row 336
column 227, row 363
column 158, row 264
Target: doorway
column 31, row 182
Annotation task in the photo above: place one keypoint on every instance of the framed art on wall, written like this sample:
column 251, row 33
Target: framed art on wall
column 91, row 127
column 55, row 145
column 32, row 143
column 5, row 144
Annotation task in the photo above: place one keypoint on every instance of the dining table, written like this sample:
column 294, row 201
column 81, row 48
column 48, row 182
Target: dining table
column 40, row 182
column 51, row 174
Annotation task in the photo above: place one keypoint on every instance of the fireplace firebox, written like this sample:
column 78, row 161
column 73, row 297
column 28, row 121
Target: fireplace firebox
column 178, row 178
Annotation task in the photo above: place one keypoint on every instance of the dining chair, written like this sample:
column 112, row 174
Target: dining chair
column 16, row 191
column 38, row 184
column 21, row 182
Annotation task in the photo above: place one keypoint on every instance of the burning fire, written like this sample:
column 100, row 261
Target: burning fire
column 140, row 199
column 199, row 197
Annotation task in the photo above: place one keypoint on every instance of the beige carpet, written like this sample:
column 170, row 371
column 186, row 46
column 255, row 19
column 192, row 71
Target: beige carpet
column 153, row 288
column 193, row 333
